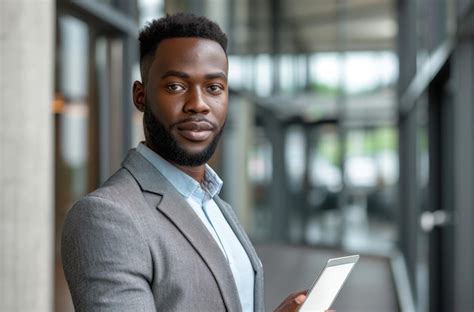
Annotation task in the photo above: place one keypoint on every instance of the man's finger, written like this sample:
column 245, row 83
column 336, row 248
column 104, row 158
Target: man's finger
column 300, row 299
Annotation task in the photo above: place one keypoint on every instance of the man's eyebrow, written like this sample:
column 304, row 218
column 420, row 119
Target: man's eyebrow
column 218, row 75
column 180, row 74
column 175, row 73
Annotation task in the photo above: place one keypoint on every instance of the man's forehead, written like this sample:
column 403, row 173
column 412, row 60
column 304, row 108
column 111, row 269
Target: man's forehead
column 190, row 53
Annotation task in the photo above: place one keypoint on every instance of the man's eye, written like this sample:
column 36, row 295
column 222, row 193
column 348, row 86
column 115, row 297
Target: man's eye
column 215, row 88
column 174, row 87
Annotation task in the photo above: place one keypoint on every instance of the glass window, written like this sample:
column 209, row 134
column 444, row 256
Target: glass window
column 263, row 75
column 325, row 184
column 149, row 9
column 366, row 72
column 72, row 116
column 295, row 157
column 371, row 177
column 260, row 166
column 326, row 73
column 72, row 120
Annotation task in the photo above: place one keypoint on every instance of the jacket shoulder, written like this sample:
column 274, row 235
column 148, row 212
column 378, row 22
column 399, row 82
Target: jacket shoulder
column 119, row 186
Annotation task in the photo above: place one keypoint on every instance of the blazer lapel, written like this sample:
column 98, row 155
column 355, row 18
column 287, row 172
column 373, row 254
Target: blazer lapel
column 175, row 207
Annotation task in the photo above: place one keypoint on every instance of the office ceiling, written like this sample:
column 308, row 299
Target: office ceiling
column 304, row 26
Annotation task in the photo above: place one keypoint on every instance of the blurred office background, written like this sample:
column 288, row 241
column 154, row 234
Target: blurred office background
column 350, row 130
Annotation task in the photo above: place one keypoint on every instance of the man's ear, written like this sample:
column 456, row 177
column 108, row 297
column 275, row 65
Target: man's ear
column 139, row 95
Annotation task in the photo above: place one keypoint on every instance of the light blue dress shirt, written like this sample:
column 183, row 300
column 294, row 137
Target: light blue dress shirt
column 200, row 198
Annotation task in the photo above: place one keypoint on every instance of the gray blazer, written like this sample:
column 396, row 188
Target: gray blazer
column 136, row 245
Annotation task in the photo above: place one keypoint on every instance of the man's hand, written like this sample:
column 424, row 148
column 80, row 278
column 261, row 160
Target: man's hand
column 293, row 301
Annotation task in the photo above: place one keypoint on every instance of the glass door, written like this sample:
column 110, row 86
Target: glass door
column 436, row 191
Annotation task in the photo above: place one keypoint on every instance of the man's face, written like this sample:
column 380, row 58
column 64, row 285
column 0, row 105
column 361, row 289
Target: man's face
column 186, row 98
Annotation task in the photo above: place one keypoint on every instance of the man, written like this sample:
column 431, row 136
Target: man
column 156, row 236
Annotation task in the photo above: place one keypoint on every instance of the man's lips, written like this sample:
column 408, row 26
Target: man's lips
column 195, row 130
column 195, row 126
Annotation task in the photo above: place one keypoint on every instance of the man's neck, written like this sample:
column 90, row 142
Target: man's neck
column 196, row 172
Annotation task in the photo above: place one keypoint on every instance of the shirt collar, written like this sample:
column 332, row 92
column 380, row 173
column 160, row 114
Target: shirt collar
column 183, row 183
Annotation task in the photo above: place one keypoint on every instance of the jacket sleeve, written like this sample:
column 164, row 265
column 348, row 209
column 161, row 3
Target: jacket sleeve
column 106, row 260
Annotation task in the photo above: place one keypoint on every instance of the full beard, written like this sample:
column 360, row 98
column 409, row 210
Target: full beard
column 167, row 147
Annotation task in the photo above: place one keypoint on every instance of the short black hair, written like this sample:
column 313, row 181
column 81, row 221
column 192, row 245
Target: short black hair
column 180, row 25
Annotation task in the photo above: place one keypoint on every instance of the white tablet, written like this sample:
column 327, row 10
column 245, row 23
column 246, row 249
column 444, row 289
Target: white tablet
column 325, row 288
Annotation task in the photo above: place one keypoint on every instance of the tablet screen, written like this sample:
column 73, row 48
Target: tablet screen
column 326, row 288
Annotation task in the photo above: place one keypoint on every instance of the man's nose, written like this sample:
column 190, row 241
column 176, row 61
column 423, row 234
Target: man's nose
column 196, row 102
